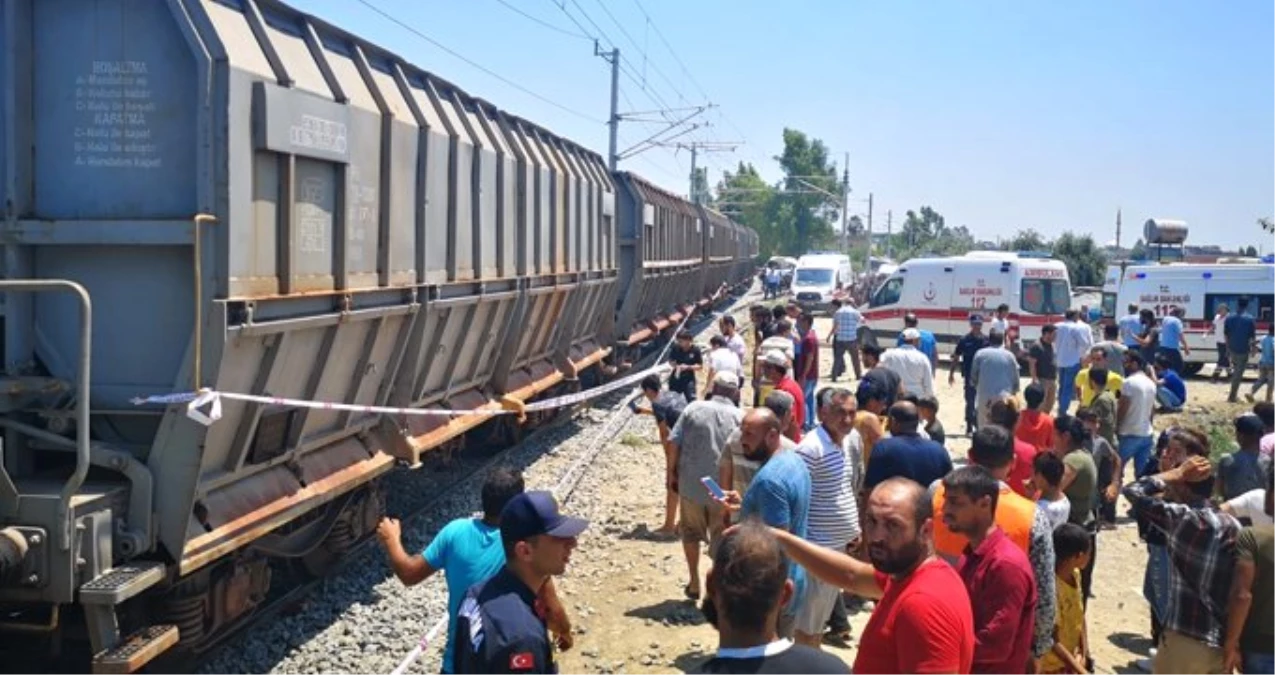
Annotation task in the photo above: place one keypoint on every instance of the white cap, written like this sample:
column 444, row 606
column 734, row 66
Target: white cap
column 911, row 334
column 775, row 357
column 726, row 379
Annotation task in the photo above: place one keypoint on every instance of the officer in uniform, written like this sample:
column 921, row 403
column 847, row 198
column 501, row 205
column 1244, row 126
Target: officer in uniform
column 500, row 627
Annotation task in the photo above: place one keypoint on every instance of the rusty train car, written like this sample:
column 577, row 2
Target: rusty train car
column 232, row 194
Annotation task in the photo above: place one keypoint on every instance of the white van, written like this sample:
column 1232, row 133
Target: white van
column 819, row 277
column 944, row 292
column 1196, row 288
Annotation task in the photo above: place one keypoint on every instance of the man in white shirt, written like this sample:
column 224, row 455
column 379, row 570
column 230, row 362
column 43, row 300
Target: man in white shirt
column 722, row 360
column 1133, row 413
column 830, row 454
column 734, row 341
column 1074, row 342
column 911, row 365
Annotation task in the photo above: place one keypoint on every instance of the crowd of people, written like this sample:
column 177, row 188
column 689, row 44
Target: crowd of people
column 817, row 501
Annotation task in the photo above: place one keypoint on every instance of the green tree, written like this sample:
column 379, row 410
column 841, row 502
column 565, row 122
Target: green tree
column 924, row 232
column 812, row 189
column 1251, row 251
column 1086, row 261
column 1026, row 240
column 1139, row 250
column 748, row 200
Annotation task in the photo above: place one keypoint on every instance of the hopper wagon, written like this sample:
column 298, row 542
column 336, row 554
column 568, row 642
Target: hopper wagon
column 238, row 196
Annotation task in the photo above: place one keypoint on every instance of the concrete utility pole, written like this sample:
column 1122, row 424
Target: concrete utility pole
column 889, row 232
column 845, row 206
column 613, row 57
column 695, row 147
column 1117, row 228
column 869, row 258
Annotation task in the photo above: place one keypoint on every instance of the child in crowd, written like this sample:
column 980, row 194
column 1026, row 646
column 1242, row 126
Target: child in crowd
column 1107, row 460
column 1071, row 644
column 1047, row 474
column 928, row 406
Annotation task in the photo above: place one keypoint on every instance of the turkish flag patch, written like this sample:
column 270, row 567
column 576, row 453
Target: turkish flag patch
column 522, row 661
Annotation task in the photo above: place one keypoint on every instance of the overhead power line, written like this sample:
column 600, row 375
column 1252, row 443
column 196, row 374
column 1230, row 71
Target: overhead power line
column 558, row 29
column 544, row 99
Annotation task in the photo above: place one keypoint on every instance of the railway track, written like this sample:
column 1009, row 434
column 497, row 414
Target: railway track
column 446, row 486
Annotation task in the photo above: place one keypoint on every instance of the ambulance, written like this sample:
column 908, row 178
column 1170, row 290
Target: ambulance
column 1198, row 289
column 944, row 292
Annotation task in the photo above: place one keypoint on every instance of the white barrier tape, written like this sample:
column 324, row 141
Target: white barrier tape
column 204, row 406
column 421, row 646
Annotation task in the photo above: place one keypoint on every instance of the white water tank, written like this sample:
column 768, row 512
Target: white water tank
column 1164, row 231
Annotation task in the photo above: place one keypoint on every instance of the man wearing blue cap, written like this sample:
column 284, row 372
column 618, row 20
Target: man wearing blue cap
column 500, row 627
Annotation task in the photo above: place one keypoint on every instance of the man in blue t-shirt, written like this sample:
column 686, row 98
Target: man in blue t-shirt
column 928, row 344
column 1241, row 330
column 1172, row 342
column 1170, row 389
column 469, row 552
column 905, row 453
column 1131, row 328
column 779, row 495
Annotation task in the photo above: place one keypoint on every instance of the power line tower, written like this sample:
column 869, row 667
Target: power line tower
column 677, row 121
column 697, row 197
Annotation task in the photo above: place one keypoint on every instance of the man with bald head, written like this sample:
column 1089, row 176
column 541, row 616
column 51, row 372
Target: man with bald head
column 919, row 625
column 906, row 454
column 779, row 495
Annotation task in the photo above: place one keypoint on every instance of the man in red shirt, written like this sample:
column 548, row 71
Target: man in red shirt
column 996, row 572
column 1004, row 412
column 919, row 625
column 774, row 368
column 806, row 372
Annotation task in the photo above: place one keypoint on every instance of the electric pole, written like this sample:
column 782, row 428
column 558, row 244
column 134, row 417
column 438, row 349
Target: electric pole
column 612, row 57
column 1117, row 229
column 845, row 206
column 695, row 147
column 889, row 233
column 869, row 256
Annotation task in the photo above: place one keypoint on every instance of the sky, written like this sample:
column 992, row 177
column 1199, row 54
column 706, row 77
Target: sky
column 1001, row 115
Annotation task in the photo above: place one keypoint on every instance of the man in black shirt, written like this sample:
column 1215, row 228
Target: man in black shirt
column 963, row 356
column 1044, row 365
column 747, row 588
column 686, row 360
column 877, row 377
column 500, row 627
column 762, row 329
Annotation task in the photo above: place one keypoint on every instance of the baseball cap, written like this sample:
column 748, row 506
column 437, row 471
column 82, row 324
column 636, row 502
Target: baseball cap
column 726, row 379
column 535, row 513
column 775, row 357
column 1249, row 424
column 911, row 334
column 976, row 318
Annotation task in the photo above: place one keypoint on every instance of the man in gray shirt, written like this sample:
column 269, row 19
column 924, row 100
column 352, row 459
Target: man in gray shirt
column 994, row 373
column 697, row 442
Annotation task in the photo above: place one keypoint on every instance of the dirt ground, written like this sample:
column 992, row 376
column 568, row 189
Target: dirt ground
column 624, row 587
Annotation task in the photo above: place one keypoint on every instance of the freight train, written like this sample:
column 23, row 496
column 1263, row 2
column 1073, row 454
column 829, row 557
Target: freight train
column 234, row 195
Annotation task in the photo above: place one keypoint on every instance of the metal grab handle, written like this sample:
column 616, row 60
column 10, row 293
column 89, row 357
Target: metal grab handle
column 82, row 388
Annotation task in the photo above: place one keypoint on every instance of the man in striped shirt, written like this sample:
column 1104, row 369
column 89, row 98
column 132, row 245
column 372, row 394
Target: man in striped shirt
column 845, row 338
column 833, row 454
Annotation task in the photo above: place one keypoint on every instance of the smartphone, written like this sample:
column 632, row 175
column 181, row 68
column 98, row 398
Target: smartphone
column 713, row 488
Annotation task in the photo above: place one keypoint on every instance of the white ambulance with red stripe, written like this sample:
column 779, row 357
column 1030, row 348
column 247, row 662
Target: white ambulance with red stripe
column 944, row 292
column 1198, row 288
